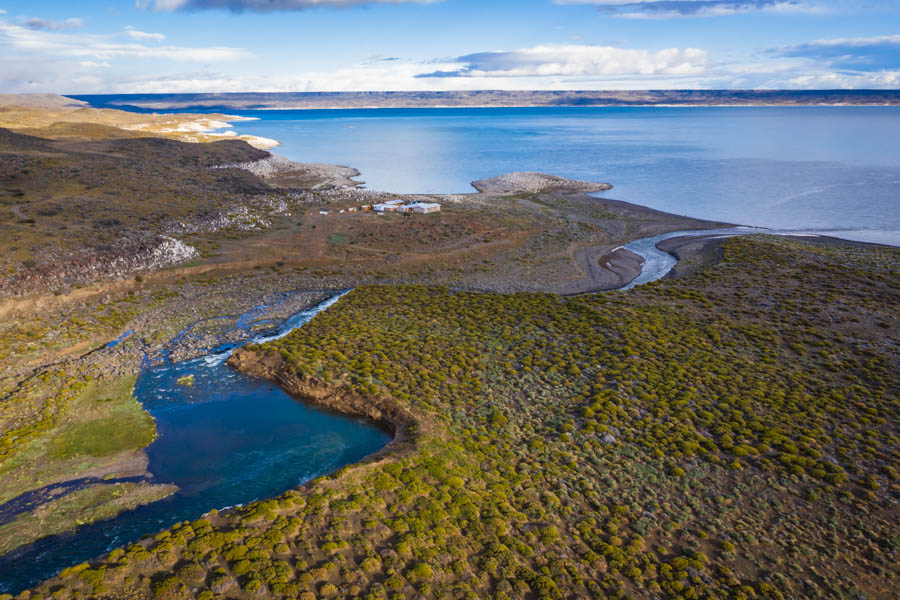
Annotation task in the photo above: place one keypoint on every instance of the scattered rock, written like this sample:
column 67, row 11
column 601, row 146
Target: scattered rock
column 526, row 181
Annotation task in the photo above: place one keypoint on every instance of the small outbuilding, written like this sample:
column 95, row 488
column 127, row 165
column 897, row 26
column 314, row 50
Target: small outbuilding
column 389, row 206
column 424, row 207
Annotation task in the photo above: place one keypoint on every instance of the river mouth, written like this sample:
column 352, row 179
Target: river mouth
column 658, row 263
column 225, row 439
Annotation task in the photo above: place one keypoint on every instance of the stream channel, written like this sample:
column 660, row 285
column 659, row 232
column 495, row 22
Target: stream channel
column 226, row 440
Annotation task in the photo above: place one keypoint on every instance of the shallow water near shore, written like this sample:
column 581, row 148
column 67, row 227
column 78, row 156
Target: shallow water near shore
column 831, row 170
column 225, row 440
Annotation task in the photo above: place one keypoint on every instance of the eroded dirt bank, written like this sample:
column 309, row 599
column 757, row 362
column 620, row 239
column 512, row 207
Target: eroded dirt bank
column 383, row 410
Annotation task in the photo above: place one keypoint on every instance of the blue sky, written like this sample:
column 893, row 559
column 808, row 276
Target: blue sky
column 167, row 46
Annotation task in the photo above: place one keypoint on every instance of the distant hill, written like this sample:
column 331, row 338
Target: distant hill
column 323, row 100
column 51, row 101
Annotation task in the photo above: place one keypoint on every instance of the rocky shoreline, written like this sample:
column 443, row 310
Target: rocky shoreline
column 529, row 182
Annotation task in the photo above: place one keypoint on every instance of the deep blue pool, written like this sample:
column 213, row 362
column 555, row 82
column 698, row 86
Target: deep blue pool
column 227, row 439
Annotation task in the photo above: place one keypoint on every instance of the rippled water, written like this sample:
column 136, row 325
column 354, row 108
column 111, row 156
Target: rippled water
column 226, row 440
column 834, row 170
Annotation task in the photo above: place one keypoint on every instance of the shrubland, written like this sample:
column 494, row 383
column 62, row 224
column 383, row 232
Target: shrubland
column 732, row 434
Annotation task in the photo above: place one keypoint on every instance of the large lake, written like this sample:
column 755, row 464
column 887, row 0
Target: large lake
column 826, row 169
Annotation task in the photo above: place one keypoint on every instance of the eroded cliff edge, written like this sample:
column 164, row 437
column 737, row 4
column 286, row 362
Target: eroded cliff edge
column 383, row 410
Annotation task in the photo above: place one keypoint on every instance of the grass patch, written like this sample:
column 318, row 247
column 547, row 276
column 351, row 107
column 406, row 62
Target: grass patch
column 127, row 426
column 96, row 429
column 339, row 239
column 81, row 507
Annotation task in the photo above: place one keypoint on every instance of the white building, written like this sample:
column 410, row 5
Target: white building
column 424, row 207
column 398, row 206
column 389, row 206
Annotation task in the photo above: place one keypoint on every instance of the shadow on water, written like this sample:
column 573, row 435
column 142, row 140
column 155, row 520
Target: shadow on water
column 226, row 440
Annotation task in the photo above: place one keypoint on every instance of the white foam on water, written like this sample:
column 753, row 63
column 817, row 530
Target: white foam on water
column 214, row 360
column 300, row 319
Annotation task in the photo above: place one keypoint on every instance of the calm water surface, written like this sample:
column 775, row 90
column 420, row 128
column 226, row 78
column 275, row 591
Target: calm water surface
column 229, row 439
column 834, row 170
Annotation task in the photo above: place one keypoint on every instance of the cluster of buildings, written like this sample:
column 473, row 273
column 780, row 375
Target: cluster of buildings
column 400, row 207
column 393, row 206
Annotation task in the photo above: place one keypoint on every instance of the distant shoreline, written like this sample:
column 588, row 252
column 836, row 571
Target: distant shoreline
column 490, row 99
column 441, row 107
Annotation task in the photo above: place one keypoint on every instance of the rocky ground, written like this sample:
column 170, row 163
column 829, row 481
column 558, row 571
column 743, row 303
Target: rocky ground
column 524, row 182
column 521, row 231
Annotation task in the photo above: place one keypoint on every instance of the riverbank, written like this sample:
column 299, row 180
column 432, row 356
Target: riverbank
column 194, row 471
column 384, row 410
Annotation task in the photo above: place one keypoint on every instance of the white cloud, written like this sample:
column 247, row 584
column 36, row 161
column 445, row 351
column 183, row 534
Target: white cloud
column 105, row 47
column 369, row 76
column 845, row 81
column 143, row 35
column 577, row 61
column 671, row 9
column 133, row 61
column 263, row 5
column 858, row 42
column 406, row 76
column 37, row 23
column 51, row 60
column 871, row 54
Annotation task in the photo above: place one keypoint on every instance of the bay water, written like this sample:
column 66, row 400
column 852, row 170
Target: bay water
column 832, row 170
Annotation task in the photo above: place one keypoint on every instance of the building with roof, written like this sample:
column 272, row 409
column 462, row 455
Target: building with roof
column 424, row 207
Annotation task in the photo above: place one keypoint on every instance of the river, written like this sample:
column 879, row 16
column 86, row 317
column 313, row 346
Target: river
column 226, row 440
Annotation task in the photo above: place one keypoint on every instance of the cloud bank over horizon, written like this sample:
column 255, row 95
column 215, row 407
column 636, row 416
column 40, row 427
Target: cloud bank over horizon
column 264, row 6
column 578, row 60
column 172, row 46
column 860, row 54
column 667, row 9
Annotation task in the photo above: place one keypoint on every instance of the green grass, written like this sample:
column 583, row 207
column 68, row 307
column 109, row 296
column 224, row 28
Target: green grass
column 127, row 426
column 83, row 506
column 339, row 239
column 104, row 437
column 100, row 427
column 96, row 429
